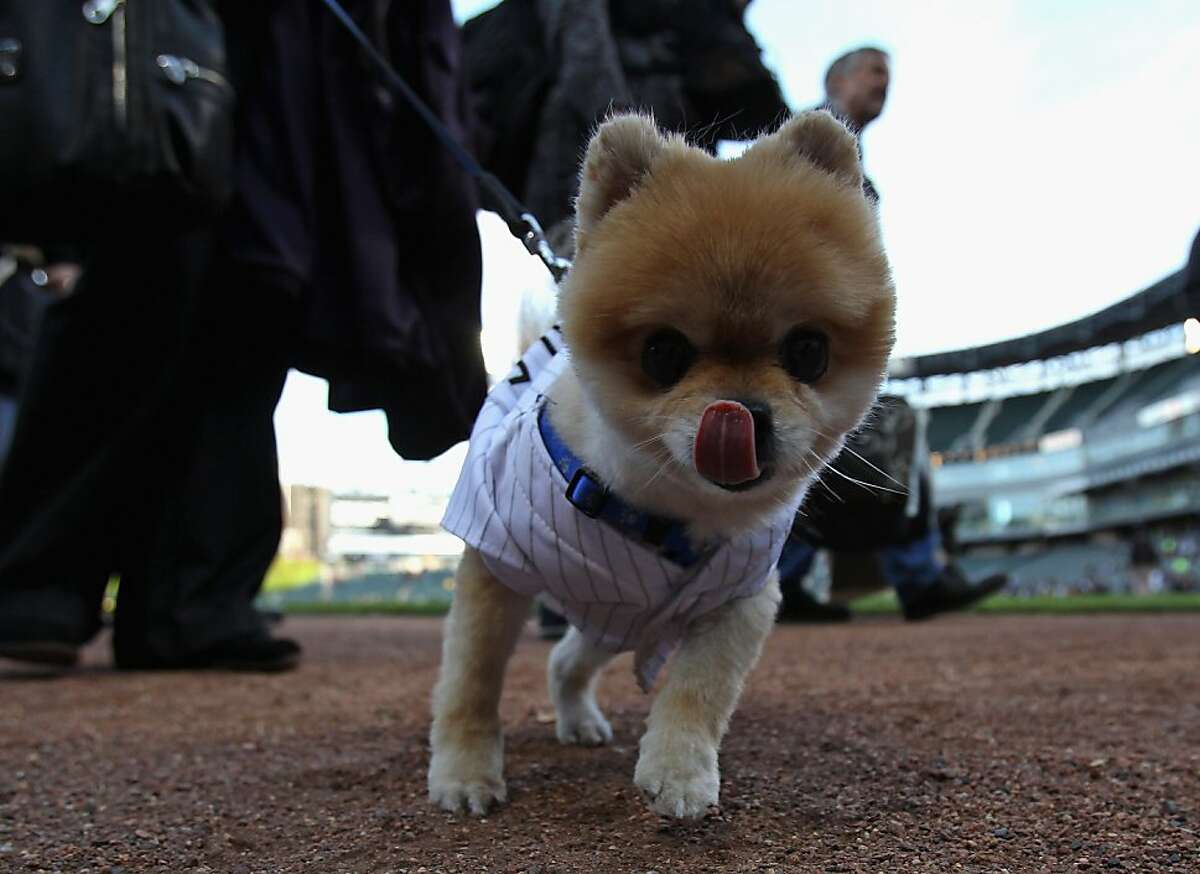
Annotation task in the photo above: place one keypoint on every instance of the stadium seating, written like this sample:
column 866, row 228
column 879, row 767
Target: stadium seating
column 1104, row 405
column 1150, row 385
column 1081, row 399
column 947, row 424
column 1015, row 415
column 1057, row 514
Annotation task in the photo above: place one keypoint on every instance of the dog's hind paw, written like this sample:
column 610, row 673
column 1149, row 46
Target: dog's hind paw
column 678, row 776
column 583, row 725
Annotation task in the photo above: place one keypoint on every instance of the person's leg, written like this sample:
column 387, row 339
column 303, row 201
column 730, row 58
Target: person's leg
column 8, row 424
column 91, row 392
column 924, row 586
column 795, row 562
column 909, row 567
column 798, row 604
column 20, row 312
column 206, row 521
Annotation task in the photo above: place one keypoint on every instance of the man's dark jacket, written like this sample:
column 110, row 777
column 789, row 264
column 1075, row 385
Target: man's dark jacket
column 344, row 199
column 544, row 73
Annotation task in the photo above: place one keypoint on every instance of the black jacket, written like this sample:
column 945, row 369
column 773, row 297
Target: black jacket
column 345, row 200
column 543, row 73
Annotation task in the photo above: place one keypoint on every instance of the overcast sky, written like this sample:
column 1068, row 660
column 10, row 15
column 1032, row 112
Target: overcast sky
column 1037, row 161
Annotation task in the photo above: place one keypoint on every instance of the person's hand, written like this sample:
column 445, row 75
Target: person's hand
column 59, row 278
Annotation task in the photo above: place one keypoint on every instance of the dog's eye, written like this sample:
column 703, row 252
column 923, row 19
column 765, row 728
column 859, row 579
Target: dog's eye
column 667, row 356
column 805, row 354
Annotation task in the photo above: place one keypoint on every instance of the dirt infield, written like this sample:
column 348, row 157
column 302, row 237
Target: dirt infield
column 969, row 744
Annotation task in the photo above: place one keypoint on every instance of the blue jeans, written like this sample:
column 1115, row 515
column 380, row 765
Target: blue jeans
column 906, row 567
column 8, row 425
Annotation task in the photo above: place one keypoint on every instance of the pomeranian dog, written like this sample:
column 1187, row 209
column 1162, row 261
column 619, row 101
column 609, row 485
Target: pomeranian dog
column 724, row 326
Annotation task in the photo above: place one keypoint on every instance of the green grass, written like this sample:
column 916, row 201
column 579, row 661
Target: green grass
column 1177, row 602
column 367, row 608
column 881, row 604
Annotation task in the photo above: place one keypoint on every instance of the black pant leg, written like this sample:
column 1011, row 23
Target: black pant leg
column 101, row 365
column 215, row 507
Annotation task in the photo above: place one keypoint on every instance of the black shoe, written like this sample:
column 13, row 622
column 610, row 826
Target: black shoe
column 52, row 653
column 799, row 606
column 256, row 652
column 272, row 617
column 39, row 642
column 950, row 591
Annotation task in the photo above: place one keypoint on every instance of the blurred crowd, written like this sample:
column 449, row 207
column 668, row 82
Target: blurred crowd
column 1150, row 560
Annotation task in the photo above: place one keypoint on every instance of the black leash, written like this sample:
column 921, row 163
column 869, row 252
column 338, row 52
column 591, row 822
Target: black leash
column 522, row 224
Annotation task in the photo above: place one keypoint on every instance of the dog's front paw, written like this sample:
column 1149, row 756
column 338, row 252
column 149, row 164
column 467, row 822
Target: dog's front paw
column 580, row 722
column 467, row 777
column 678, row 774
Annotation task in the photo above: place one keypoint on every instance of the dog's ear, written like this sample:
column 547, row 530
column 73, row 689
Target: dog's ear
column 620, row 154
column 819, row 138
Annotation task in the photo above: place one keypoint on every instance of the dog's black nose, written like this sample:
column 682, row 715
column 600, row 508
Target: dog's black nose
column 764, row 431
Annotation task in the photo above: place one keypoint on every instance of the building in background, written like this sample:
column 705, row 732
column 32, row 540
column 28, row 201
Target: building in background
column 368, row 548
column 360, row 512
column 307, row 522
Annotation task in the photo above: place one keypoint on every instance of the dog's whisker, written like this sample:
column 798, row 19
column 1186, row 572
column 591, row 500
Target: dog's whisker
column 820, row 480
column 816, row 474
column 847, row 448
column 874, row 468
column 865, row 485
column 656, row 438
column 869, row 486
column 667, row 464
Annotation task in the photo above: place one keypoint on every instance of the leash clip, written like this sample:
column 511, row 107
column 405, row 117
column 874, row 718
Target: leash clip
column 536, row 244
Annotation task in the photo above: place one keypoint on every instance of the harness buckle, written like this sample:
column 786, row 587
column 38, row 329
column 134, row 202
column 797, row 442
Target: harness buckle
column 586, row 493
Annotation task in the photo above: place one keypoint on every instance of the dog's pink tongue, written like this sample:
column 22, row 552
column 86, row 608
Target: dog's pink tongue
column 724, row 451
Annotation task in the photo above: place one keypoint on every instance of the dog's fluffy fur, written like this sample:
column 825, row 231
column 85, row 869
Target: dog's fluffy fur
column 734, row 255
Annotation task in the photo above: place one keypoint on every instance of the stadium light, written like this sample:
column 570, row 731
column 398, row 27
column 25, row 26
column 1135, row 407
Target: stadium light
column 1191, row 335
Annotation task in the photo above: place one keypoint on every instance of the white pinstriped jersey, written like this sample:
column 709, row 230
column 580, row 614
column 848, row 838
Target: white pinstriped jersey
column 510, row 505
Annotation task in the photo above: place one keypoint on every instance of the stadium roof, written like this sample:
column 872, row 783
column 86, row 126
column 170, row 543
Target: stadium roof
column 1164, row 303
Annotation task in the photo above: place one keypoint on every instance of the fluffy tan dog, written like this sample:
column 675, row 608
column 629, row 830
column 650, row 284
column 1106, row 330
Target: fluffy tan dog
column 725, row 324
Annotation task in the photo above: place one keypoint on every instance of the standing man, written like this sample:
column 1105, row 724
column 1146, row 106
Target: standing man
column 894, row 542
column 856, row 87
